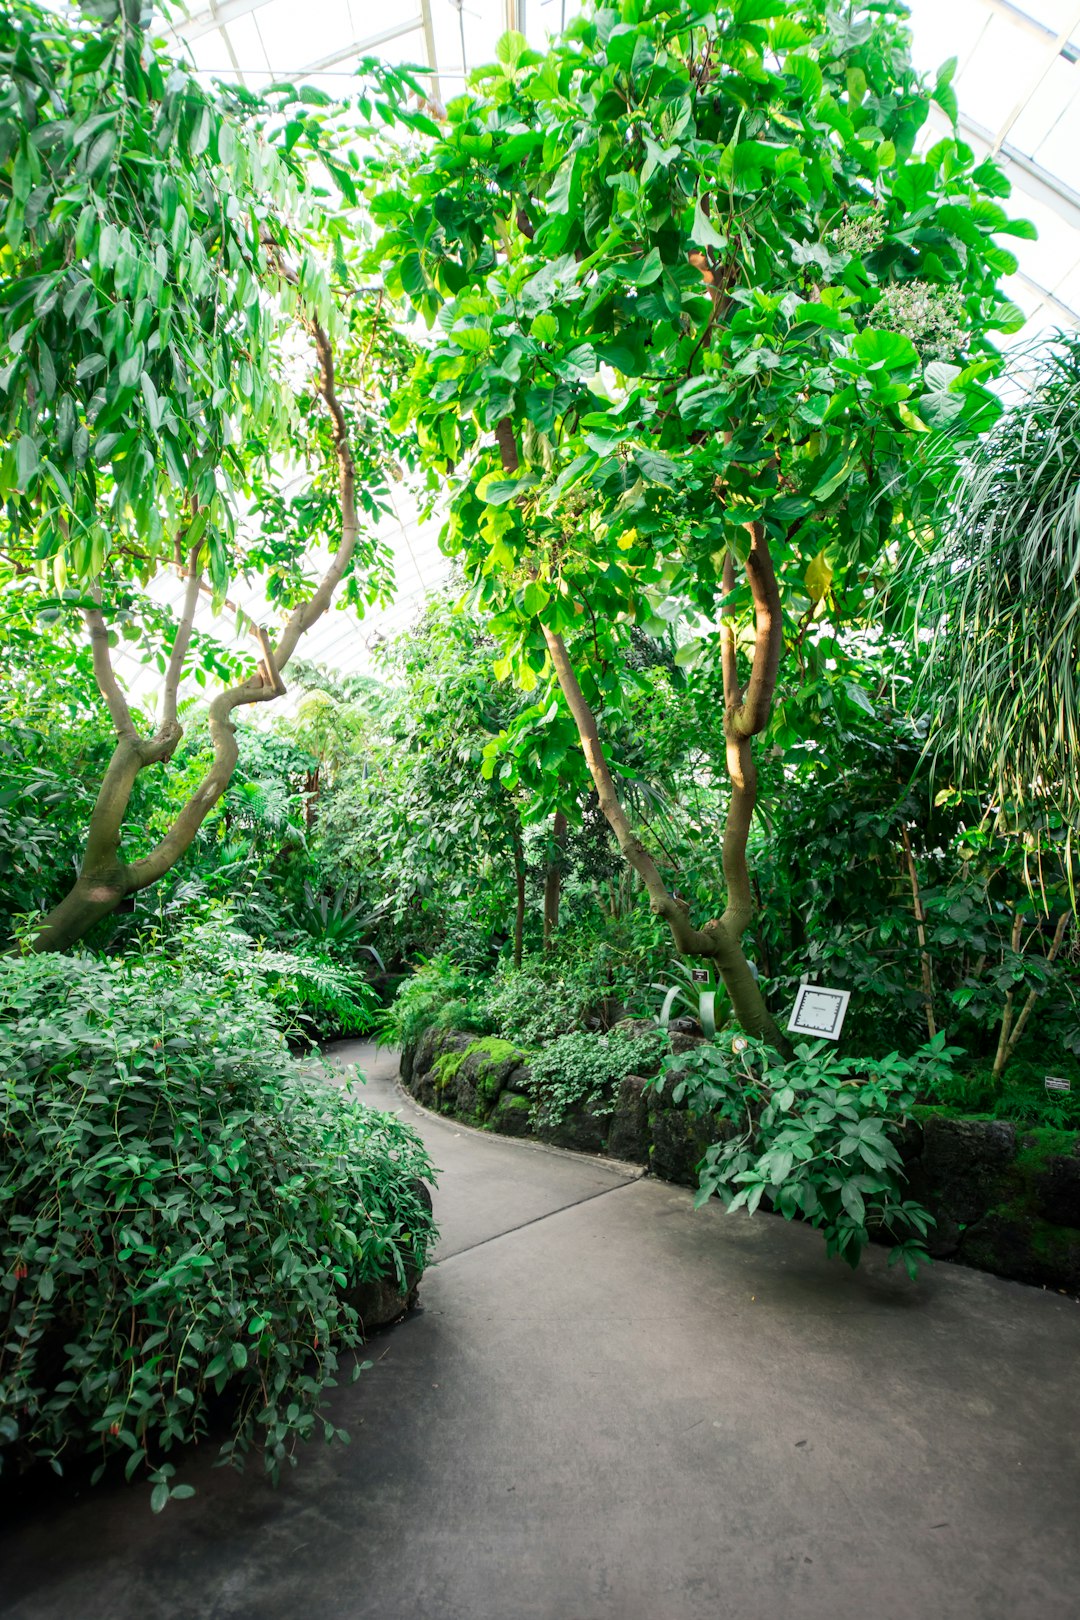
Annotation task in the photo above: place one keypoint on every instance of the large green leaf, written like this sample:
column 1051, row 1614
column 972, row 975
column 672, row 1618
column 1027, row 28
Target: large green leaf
column 882, row 350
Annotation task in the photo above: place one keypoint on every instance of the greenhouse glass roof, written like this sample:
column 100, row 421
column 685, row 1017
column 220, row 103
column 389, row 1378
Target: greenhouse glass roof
column 1017, row 81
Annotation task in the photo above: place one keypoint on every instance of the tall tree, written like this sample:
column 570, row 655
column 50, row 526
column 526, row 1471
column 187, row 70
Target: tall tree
column 163, row 247
column 695, row 301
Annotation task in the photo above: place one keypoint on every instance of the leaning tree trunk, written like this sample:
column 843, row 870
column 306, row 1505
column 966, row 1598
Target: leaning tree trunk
column 553, row 877
column 720, row 940
column 105, row 879
column 519, row 885
column 745, row 715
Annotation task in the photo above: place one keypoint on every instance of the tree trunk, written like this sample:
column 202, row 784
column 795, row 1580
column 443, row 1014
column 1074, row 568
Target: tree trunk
column 553, row 878
column 744, row 716
column 920, row 928
column 519, row 882
column 105, row 879
column 719, row 941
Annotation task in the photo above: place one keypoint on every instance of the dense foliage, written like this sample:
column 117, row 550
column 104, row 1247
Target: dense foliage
column 184, row 1213
column 1000, row 602
column 696, row 301
column 815, row 1135
column 169, row 249
column 763, row 615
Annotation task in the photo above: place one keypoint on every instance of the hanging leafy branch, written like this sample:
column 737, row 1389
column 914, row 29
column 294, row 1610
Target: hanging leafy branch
column 164, row 246
column 1000, row 603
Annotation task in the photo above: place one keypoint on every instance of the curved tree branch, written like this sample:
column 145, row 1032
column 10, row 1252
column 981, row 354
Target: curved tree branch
column 104, row 674
column 104, row 878
column 720, row 940
column 752, row 713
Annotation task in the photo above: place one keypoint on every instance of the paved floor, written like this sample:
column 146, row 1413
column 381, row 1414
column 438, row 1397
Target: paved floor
column 610, row 1408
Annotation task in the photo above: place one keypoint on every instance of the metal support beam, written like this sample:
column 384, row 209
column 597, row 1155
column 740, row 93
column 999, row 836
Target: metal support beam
column 1031, row 25
column 1060, row 41
column 429, row 46
column 1029, row 177
column 361, row 47
column 214, row 16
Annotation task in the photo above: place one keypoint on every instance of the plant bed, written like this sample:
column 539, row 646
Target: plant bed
column 1004, row 1199
column 185, row 1214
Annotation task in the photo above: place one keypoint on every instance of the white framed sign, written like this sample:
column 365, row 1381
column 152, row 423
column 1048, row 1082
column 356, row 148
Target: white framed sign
column 1057, row 1082
column 819, row 1012
column 699, row 975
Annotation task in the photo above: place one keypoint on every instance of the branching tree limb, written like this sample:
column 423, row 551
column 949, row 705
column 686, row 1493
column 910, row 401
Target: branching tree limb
column 105, row 878
column 721, row 939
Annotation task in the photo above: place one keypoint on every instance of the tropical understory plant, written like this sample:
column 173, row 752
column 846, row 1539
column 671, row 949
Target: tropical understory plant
column 815, row 1134
column 695, row 301
column 185, row 1214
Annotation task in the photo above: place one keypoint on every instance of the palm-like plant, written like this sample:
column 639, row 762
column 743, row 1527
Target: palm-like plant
column 1001, row 600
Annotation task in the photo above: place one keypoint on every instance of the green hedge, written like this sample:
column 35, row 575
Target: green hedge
column 183, row 1212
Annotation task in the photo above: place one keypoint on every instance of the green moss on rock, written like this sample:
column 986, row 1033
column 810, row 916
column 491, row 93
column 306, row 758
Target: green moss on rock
column 511, row 1115
column 490, row 1061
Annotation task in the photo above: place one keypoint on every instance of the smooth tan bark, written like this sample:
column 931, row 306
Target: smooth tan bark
column 719, row 941
column 744, row 716
column 105, row 879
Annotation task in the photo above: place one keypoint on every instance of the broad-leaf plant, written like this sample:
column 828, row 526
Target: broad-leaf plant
column 698, row 292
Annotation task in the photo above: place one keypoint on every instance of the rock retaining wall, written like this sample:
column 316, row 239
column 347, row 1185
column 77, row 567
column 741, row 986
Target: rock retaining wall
column 1005, row 1200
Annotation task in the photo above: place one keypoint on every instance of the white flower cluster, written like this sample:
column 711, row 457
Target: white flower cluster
column 930, row 315
column 858, row 234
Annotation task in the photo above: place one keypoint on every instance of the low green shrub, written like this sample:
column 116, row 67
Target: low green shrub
column 316, row 996
column 1020, row 1095
column 814, row 1134
column 183, row 1214
column 583, row 1067
column 538, row 1002
column 423, row 1001
column 463, row 1014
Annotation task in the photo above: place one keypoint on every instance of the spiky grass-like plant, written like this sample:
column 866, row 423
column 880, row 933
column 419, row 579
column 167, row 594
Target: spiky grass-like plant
column 1000, row 599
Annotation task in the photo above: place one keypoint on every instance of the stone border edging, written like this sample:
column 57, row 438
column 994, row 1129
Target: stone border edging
column 627, row 1169
column 1006, row 1199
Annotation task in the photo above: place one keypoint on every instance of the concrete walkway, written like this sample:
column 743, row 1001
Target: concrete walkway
column 611, row 1407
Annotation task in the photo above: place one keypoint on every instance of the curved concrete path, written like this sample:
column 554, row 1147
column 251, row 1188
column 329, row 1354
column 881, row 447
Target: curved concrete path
column 611, row 1407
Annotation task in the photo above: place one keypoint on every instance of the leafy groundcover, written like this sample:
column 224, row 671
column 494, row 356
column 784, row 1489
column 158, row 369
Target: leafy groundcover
column 184, row 1214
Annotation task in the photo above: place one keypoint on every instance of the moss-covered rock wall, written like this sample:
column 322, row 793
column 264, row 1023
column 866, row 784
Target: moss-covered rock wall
column 1005, row 1200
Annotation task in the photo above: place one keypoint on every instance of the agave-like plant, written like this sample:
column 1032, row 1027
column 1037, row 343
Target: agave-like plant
column 1000, row 600
column 332, row 922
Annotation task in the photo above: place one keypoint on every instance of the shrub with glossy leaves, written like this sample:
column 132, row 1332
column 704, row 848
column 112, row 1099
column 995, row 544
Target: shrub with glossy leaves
column 184, row 1213
column 815, row 1135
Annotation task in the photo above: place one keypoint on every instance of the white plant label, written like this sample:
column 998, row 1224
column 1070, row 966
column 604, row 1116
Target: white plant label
column 819, row 1012
column 699, row 975
column 1055, row 1082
